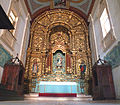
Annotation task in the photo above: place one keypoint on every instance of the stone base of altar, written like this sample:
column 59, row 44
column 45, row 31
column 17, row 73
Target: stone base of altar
column 35, row 96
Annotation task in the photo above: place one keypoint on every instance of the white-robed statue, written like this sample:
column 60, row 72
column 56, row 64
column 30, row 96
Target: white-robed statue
column 59, row 61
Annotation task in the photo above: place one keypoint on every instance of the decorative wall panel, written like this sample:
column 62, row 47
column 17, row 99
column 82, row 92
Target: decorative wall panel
column 113, row 57
column 4, row 56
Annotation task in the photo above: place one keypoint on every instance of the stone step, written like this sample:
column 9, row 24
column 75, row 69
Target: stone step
column 35, row 96
column 8, row 95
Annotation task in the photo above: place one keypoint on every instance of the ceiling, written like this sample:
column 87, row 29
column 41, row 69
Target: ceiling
column 81, row 7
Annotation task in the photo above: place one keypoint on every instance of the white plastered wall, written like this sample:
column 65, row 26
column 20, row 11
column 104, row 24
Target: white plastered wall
column 113, row 7
column 22, row 24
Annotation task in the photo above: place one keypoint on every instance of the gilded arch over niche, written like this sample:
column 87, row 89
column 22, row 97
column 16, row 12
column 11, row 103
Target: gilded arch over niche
column 43, row 24
column 52, row 18
column 59, row 28
column 77, row 48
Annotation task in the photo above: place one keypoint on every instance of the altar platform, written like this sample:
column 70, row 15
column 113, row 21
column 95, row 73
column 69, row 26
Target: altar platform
column 57, row 89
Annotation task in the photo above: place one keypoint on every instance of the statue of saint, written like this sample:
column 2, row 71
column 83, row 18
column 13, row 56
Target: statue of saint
column 35, row 66
column 59, row 61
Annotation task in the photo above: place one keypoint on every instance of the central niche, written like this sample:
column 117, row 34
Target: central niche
column 58, row 61
column 59, row 39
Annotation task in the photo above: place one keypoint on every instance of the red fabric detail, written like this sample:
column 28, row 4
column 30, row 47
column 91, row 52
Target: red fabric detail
column 48, row 61
column 82, row 68
column 58, row 94
column 69, row 62
column 66, row 60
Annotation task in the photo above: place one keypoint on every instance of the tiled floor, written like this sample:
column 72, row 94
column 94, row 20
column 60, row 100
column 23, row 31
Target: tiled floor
column 60, row 101
column 42, row 102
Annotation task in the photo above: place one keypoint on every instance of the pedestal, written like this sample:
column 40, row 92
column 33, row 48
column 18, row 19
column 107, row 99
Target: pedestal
column 13, row 78
column 103, row 86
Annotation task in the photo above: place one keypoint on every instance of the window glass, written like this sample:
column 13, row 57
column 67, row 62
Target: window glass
column 105, row 23
column 13, row 19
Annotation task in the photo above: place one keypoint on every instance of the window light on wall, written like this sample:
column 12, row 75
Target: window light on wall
column 105, row 23
column 13, row 19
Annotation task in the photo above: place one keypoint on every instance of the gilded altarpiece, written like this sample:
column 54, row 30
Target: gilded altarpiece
column 58, row 46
